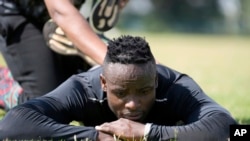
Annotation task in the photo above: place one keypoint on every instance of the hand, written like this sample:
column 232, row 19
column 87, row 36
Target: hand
column 123, row 129
column 58, row 42
column 104, row 137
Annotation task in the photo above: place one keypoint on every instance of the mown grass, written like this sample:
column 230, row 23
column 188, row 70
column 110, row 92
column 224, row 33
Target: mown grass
column 219, row 63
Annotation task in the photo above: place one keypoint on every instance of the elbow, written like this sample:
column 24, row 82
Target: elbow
column 221, row 123
column 17, row 124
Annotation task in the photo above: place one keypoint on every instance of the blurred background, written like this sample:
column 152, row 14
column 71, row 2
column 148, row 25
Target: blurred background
column 206, row 39
column 192, row 16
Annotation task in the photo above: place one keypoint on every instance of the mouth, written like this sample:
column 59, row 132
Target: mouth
column 133, row 116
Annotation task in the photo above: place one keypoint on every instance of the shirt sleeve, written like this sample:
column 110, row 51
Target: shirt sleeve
column 48, row 117
column 203, row 118
column 212, row 128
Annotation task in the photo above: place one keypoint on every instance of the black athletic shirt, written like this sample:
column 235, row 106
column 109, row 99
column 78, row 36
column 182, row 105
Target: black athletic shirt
column 181, row 110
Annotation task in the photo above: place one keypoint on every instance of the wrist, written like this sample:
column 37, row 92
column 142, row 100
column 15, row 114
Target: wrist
column 146, row 131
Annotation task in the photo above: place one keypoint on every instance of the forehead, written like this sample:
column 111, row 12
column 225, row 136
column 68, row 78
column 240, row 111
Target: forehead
column 116, row 72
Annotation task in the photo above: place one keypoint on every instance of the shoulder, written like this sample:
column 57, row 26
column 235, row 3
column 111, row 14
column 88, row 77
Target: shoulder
column 92, row 76
column 167, row 73
column 90, row 79
column 93, row 73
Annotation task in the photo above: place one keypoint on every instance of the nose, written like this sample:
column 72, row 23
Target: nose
column 132, row 104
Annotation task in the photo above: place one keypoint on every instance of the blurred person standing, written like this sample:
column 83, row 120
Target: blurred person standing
column 32, row 63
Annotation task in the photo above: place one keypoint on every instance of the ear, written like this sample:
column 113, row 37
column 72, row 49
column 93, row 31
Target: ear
column 103, row 82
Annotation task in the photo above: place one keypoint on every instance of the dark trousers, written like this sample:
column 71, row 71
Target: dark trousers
column 36, row 68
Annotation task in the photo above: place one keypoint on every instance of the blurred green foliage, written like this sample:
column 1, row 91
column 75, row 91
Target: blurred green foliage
column 192, row 16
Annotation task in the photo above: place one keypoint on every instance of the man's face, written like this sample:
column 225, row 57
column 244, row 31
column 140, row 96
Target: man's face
column 130, row 89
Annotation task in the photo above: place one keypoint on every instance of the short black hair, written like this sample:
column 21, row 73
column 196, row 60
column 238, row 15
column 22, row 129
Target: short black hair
column 127, row 49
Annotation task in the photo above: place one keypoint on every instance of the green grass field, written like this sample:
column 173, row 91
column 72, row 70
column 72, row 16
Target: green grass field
column 219, row 63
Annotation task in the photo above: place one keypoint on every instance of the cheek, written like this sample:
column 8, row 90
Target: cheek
column 147, row 102
column 115, row 104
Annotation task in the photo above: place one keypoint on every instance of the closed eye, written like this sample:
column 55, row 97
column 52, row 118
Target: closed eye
column 119, row 93
column 146, row 91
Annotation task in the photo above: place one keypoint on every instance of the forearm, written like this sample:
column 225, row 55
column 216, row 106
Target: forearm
column 77, row 29
column 24, row 123
column 214, row 128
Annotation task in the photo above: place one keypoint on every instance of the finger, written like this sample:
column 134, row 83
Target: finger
column 104, row 128
column 88, row 59
column 58, row 47
column 59, row 31
column 98, row 128
column 62, row 49
column 62, row 39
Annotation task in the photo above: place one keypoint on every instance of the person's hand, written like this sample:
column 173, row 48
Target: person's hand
column 123, row 129
column 104, row 137
column 58, row 41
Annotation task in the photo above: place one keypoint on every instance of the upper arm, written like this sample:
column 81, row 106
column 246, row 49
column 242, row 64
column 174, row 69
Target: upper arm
column 203, row 118
column 190, row 101
column 49, row 115
column 65, row 101
column 60, row 8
